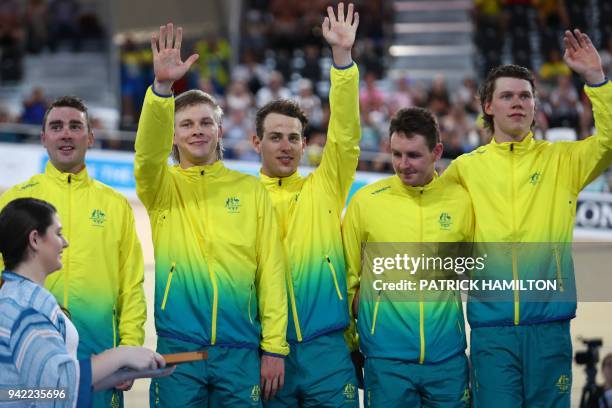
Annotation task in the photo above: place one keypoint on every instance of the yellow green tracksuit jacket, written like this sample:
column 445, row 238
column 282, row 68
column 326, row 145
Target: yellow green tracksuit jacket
column 423, row 331
column 526, row 192
column 219, row 266
column 101, row 282
column 309, row 210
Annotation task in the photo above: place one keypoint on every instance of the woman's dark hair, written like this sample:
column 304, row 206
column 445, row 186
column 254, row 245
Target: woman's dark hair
column 17, row 220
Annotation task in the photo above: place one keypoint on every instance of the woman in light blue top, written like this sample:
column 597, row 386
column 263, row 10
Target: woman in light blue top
column 37, row 341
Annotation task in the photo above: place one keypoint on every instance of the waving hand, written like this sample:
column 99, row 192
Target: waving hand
column 167, row 62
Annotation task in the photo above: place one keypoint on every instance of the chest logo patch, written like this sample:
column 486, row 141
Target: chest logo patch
column 232, row 204
column 445, row 221
column 534, row 178
column 98, row 217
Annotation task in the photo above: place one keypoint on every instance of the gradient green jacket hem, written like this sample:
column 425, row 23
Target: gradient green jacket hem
column 219, row 266
column 525, row 193
column 387, row 218
column 309, row 210
column 101, row 281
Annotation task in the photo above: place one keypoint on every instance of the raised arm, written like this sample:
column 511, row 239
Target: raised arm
column 590, row 157
column 156, row 125
column 341, row 152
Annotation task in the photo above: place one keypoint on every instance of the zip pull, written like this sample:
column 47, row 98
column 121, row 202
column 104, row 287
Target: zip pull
column 69, row 178
column 168, row 282
column 201, row 172
column 280, row 182
column 511, row 147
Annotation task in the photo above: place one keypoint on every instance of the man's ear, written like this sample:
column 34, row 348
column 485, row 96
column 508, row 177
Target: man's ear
column 256, row 142
column 220, row 132
column 437, row 151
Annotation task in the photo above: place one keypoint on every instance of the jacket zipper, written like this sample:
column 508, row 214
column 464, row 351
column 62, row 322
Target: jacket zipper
column 291, row 292
column 333, row 272
column 211, row 273
column 69, row 236
column 249, row 305
column 421, row 304
column 375, row 314
column 168, row 283
column 296, row 320
column 114, row 326
column 517, row 304
column 559, row 275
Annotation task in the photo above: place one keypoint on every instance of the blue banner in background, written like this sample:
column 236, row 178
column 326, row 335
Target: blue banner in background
column 115, row 173
column 118, row 171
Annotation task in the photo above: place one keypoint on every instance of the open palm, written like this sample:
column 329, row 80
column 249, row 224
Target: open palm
column 580, row 54
column 167, row 63
column 340, row 31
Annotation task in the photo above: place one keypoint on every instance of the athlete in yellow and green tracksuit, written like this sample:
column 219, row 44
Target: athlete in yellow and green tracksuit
column 413, row 345
column 309, row 211
column 100, row 283
column 525, row 193
column 219, row 269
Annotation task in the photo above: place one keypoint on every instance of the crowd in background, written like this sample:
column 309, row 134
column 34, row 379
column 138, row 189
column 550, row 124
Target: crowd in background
column 282, row 55
column 34, row 26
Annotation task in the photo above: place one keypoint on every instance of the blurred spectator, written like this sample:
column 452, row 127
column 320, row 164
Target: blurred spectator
column 371, row 97
column 275, row 89
column 134, row 82
column 254, row 38
column 90, row 29
column 11, row 42
column 309, row 102
column 467, row 95
column 381, row 162
column 239, row 97
column 518, row 22
column 554, row 66
column 36, row 26
column 250, row 71
column 458, row 132
column 578, row 14
column 314, row 148
column 402, row 96
column 237, row 131
column 487, row 15
column 606, row 57
column 552, row 21
column 370, row 131
column 213, row 63
column 438, row 99
column 311, row 63
column 63, row 24
column 7, row 135
column 34, row 108
column 565, row 104
column 369, row 57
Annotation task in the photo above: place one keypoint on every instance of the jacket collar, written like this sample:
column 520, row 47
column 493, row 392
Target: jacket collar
column 523, row 146
column 399, row 187
column 279, row 181
column 213, row 170
column 75, row 178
